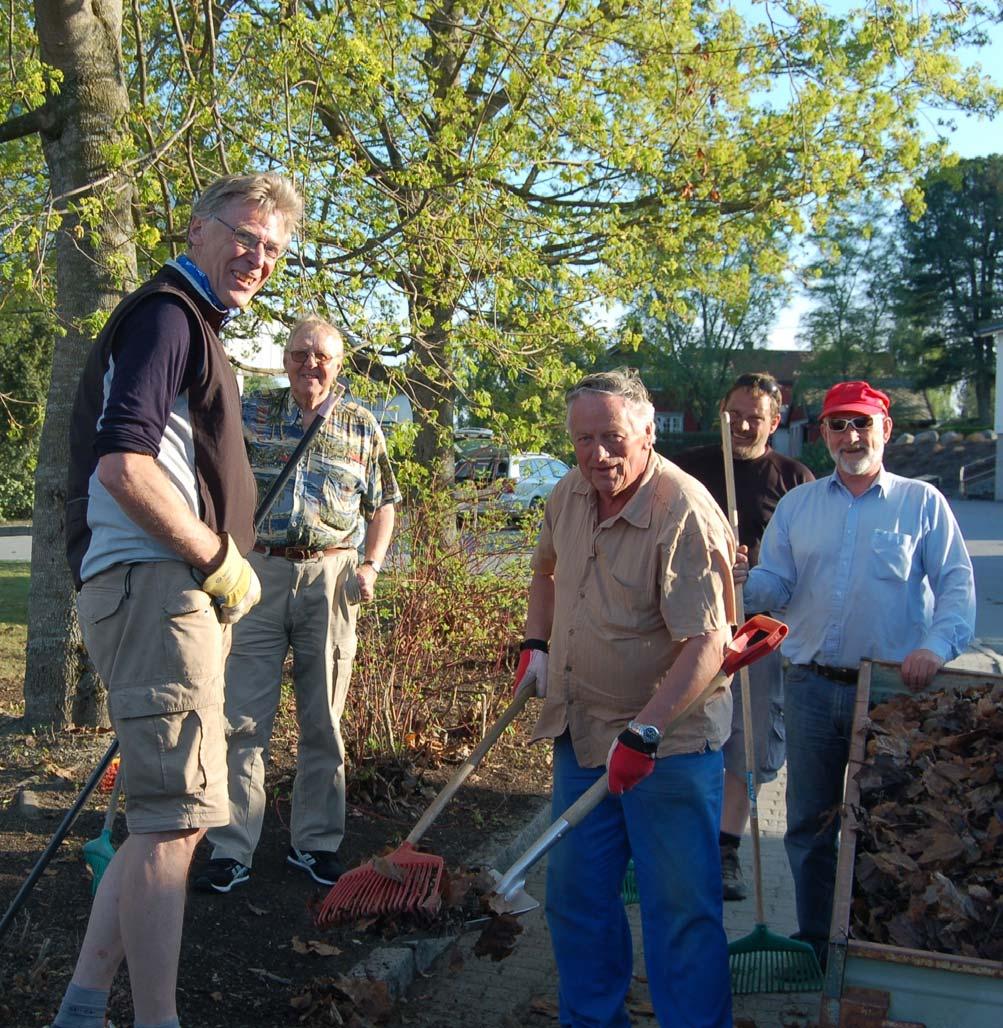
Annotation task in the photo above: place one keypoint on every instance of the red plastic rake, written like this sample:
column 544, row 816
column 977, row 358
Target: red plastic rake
column 406, row 881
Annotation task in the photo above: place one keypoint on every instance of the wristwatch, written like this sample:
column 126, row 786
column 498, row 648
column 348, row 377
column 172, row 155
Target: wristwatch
column 649, row 735
column 374, row 564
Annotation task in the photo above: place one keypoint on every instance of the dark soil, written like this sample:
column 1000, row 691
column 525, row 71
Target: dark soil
column 253, row 957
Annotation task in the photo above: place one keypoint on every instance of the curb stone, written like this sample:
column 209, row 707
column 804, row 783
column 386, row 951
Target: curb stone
column 398, row 966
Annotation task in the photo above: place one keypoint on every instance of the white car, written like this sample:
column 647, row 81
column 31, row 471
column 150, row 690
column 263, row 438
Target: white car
column 516, row 483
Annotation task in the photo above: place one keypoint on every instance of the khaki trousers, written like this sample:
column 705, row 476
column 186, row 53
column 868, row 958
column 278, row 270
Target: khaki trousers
column 310, row 606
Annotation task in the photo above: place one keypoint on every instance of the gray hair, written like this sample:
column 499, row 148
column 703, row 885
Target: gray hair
column 275, row 193
column 622, row 382
column 313, row 322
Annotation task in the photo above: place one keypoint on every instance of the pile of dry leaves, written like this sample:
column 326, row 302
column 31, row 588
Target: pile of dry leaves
column 929, row 867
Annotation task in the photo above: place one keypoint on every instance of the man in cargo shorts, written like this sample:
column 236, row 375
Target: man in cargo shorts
column 159, row 515
column 762, row 476
column 864, row 565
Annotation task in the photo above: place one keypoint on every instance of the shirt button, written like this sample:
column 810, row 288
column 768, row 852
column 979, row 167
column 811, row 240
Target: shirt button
column 567, row 667
column 581, row 595
column 571, row 631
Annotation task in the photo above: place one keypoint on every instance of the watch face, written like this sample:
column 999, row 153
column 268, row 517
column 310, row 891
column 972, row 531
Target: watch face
column 649, row 734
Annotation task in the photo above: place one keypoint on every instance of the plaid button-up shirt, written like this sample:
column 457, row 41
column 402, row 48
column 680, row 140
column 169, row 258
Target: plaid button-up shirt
column 342, row 480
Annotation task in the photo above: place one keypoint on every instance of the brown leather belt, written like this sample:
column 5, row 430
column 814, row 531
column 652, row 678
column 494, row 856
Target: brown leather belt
column 297, row 552
column 846, row 675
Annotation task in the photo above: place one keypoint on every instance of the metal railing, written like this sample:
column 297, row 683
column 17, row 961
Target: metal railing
column 973, row 478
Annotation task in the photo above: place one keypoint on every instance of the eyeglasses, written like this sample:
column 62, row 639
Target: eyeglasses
column 248, row 240
column 302, row 356
column 860, row 423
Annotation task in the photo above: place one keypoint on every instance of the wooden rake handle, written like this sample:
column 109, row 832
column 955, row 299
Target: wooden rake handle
column 508, row 715
column 743, row 679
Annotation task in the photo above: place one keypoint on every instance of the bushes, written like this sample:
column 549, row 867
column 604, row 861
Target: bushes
column 448, row 614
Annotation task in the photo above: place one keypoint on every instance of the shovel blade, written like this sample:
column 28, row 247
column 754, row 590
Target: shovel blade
column 515, row 900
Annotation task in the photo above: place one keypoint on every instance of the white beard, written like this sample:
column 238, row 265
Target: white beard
column 865, row 462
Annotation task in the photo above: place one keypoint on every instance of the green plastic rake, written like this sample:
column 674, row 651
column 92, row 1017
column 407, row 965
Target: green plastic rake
column 761, row 961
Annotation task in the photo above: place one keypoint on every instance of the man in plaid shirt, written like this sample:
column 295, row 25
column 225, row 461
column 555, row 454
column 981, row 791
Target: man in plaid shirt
column 339, row 499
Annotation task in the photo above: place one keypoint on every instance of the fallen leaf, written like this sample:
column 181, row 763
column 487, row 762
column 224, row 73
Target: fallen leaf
column 388, row 869
column 497, row 941
column 319, row 949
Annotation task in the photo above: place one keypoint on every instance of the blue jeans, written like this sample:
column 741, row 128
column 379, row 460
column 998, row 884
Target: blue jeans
column 819, row 718
column 669, row 824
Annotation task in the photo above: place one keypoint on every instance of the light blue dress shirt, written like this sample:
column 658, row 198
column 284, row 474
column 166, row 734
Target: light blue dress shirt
column 874, row 576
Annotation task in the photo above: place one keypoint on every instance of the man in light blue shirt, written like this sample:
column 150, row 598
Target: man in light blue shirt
column 861, row 564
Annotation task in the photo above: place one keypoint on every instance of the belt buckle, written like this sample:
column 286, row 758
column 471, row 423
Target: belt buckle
column 298, row 553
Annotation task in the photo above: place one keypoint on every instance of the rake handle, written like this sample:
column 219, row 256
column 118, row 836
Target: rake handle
column 437, row 805
column 743, row 679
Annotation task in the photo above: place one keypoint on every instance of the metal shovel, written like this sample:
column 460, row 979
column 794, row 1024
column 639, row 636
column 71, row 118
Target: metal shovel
column 510, row 895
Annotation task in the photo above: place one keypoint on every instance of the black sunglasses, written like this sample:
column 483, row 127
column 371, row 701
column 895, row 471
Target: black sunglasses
column 752, row 381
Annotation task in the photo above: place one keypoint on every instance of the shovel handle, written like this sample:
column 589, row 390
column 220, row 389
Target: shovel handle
column 514, row 878
column 437, row 805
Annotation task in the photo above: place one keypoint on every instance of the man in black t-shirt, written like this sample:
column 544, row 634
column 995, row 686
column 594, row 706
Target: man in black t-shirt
column 762, row 476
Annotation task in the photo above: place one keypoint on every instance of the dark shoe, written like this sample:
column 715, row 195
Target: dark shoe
column 221, row 875
column 731, row 875
column 322, row 866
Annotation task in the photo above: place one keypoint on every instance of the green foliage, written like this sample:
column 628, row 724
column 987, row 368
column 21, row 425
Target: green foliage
column 953, row 277
column 815, row 455
column 687, row 334
column 25, row 359
column 851, row 282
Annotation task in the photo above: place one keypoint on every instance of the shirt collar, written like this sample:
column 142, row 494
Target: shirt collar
column 200, row 280
column 880, row 484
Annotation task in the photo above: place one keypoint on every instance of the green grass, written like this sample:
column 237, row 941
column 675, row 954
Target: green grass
column 14, row 579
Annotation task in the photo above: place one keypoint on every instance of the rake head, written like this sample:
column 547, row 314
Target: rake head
column 97, row 855
column 765, row 962
column 404, row 881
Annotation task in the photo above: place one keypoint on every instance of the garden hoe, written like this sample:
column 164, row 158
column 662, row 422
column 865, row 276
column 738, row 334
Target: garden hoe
column 761, row 961
column 510, row 896
column 406, row 881
column 323, row 413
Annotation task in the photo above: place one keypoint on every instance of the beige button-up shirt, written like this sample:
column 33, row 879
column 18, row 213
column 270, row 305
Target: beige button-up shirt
column 628, row 592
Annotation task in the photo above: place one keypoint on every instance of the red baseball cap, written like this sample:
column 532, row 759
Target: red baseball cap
column 855, row 397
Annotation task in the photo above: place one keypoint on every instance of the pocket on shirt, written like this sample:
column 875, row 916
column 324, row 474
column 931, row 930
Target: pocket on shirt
column 892, row 554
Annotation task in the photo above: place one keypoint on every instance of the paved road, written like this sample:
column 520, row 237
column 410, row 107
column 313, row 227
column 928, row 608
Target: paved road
column 15, row 547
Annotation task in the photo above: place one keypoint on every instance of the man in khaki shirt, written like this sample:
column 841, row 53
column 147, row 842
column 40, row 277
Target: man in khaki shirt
column 632, row 595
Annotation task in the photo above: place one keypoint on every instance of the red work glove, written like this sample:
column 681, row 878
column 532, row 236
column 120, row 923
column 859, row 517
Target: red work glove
column 628, row 762
column 532, row 669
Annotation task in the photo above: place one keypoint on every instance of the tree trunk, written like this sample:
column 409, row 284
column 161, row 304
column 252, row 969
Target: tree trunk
column 84, row 42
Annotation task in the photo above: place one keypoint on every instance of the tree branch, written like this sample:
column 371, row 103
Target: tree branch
column 43, row 120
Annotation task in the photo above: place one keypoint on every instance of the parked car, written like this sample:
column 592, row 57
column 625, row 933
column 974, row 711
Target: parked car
column 490, row 478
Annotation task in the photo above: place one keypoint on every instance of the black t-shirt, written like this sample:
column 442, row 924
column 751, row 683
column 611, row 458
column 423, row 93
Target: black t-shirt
column 759, row 484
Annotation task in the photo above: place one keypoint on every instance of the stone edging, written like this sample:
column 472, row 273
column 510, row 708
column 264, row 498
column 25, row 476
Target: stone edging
column 399, row 965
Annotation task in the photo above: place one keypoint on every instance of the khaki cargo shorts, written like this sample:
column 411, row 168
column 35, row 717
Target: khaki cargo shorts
column 159, row 648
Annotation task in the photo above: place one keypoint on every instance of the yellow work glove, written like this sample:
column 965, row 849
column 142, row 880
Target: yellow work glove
column 233, row 585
